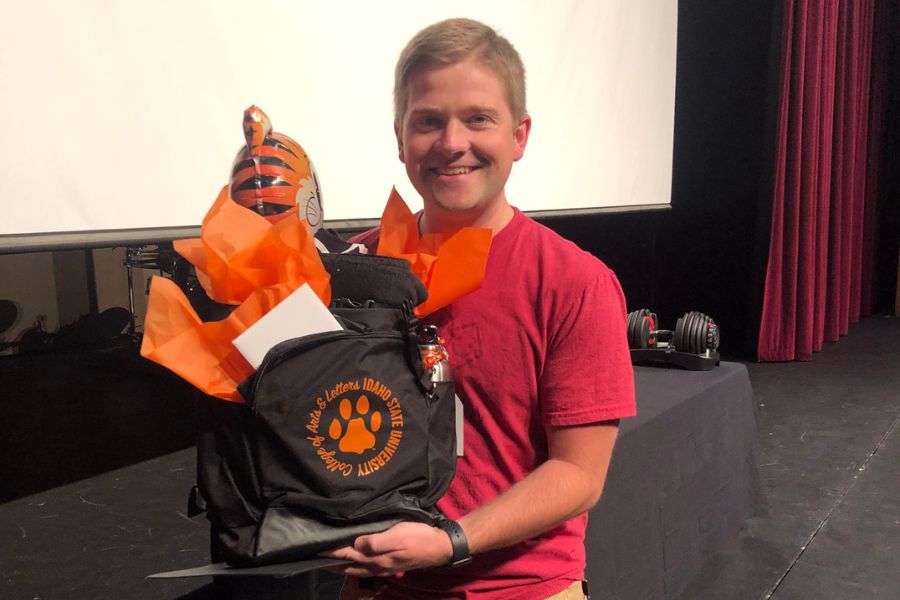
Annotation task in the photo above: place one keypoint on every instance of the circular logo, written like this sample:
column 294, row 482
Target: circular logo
column 356, row 427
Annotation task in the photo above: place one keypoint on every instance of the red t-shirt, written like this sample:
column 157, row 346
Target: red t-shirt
column 541, row 343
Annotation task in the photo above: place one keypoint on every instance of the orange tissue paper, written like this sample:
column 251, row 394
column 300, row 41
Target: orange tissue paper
column 241, row 259
column 450, row 265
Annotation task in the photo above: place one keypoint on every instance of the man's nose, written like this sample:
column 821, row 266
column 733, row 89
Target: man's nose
column 453, row 139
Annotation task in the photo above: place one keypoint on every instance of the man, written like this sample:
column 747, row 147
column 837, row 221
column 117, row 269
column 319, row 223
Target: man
column 539, row 353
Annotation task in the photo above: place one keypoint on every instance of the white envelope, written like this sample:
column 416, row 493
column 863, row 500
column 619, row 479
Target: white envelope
column 301, row 313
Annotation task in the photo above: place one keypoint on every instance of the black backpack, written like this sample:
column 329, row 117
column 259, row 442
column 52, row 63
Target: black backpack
column 342, row 434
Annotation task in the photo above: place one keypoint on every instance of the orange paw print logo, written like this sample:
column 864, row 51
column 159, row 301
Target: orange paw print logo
column 355, row 436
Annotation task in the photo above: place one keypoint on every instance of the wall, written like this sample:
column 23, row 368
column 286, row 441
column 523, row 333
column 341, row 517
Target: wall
column 27, row 280
column 887, row 296
column 72, row 409
column 708, row 252
column 54, row 287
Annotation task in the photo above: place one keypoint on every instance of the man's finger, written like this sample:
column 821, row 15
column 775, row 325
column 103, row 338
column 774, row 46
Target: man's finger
column 382, row 543
column 345, row 553
column 334, row 553
column 368, row 544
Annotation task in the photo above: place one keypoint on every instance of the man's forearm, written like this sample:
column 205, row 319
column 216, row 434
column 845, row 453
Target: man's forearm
column 553, row 493
column 565, row 485
column 556, row 491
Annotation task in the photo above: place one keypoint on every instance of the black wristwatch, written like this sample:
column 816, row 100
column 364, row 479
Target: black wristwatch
column 458, row 541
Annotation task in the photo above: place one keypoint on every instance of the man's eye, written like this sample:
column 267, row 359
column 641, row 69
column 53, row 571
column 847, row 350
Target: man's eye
column 478, row 119
column 428, row 123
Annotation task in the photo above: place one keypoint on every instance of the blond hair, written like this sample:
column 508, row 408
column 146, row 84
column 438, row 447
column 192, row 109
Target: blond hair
column 455, row 40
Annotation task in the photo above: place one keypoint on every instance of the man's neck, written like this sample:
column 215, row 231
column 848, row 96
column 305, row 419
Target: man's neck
column 438, row 221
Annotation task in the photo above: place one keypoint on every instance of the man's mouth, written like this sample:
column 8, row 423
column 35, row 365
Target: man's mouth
column 450, row 171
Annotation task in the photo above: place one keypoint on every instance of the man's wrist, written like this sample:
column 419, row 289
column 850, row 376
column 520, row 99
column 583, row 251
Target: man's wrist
column 458, row 543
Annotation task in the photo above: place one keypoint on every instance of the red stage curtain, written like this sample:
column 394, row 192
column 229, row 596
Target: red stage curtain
column 820, row 256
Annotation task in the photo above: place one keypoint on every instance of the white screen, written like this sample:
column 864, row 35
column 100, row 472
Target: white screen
column 125, row 115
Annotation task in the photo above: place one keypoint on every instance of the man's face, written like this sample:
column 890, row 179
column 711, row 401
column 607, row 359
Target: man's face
column 458, row 140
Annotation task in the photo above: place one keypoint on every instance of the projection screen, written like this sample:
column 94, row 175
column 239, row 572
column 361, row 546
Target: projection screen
column 120, row 120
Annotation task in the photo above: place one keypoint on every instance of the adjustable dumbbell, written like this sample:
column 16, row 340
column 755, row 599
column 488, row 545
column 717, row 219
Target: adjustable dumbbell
column 696, row 333
column 642, row 331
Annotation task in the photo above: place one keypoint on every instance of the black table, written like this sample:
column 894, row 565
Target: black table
column 682, row 481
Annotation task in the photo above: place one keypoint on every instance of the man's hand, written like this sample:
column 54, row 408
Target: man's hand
column 403, row 547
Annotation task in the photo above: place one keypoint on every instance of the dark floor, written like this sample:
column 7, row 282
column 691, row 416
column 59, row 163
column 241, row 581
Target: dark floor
column 830, row 466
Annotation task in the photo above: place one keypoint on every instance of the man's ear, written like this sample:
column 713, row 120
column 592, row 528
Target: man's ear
column 399, row 142
column 520, row 136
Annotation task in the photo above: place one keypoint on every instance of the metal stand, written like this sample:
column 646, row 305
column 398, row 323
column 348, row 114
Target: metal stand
column 139, row 257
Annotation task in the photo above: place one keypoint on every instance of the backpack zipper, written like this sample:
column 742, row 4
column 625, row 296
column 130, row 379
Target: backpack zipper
column 288, row 348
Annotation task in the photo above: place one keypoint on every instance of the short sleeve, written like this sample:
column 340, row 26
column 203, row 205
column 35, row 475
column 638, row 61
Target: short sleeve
column 587, row 375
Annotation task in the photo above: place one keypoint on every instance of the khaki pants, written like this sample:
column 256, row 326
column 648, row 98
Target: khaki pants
column 573, row 592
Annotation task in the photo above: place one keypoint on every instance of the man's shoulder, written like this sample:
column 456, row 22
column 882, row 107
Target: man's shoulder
column 554, row 253
column 369, row 239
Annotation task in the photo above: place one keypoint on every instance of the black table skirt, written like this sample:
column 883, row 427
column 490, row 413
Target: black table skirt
column 682, row 481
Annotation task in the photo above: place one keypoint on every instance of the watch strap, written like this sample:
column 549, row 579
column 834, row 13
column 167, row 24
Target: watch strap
column 458, row 542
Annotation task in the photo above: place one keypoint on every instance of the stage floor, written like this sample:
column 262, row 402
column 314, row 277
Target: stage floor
column 829, row 462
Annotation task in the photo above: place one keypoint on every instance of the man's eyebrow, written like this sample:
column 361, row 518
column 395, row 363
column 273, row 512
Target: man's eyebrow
column 426, row 110
column 487, row 110
column 470, row 110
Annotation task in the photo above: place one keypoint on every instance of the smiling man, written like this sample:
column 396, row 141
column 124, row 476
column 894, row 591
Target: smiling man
column 458, row 138
column 539, row 353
